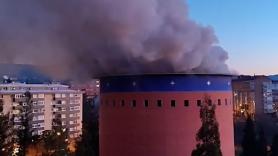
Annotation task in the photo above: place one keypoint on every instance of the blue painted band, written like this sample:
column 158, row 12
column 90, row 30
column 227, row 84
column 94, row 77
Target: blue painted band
column 165, row 83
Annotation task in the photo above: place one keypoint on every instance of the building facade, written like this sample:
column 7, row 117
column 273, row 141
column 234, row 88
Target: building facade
column 158, row 115
column 43, row 103
column 255, row 96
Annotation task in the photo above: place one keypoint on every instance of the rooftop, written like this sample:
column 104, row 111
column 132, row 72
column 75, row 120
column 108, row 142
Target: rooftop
column 18, row 88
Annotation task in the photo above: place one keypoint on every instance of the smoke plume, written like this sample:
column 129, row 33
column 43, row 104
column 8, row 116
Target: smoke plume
column 105, row 37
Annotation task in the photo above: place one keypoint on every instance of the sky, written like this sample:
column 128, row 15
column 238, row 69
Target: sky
column 247, row 29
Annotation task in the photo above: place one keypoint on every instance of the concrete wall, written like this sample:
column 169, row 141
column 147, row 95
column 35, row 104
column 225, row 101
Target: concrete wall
column 48, row 112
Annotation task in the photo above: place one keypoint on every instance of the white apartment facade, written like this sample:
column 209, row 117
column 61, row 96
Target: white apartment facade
column 270, row 101
column 45, row 103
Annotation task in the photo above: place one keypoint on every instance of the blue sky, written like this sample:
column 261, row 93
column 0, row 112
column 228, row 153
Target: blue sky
column 247, row 29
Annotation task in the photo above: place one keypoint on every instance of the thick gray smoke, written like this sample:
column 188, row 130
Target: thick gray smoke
column 100, row 37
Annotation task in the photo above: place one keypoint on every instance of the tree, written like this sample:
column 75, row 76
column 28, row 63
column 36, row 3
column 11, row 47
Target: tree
column 56, row 141
column 4, row 119
column 89, row 142
column 24, row 133
column 208, row 137
column 274, row 146
column 262, row 143
column 249, row 138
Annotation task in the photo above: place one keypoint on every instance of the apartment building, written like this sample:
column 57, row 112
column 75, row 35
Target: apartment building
column 43, row 104
column 254, row 95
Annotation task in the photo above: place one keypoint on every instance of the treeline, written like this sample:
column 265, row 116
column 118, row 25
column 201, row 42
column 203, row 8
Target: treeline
column 254, row 142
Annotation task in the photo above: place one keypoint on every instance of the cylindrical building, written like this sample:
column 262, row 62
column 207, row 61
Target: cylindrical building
column 158, row 115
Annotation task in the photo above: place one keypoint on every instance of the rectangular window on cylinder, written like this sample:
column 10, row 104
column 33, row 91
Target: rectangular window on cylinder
column 210, row 102
column 146, row 103
column 173, row 103
column 159, row 103
column 199, row 103
column 219, row 102
column 186, row 103
column 226, row 102
column 123, row 103
column 133, row 103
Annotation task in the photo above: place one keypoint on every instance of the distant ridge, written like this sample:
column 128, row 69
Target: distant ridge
column 23, row 73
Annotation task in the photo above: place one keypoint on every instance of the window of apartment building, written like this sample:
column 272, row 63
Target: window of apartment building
column 76, row 108
column 57, row 95
column 41, row 117
column 72, row 102
column 24, row 103
column 146, row 103
column 40, row 95
column 35, row 118
column 63, row 116
column 75, row 95
column 73, row 129
column 173, row 103
column 17, row 119
column 35, row 103
column 38, row 110
column 37, row 125
column 54, row 88
column 159, row 103
column 40, row 132
column 72, row 108
column 73, row 122
column 15, row 112
column 73, row 115
column 63, row 95
column 40, row 102
column 64, row 123
column 34, row 133
column 219, row 102
column 199, row 103
column 18, row 96
column 186, row 103
column 64, row 102
column 63, row 109
column 41, row 124
column 35, row 96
